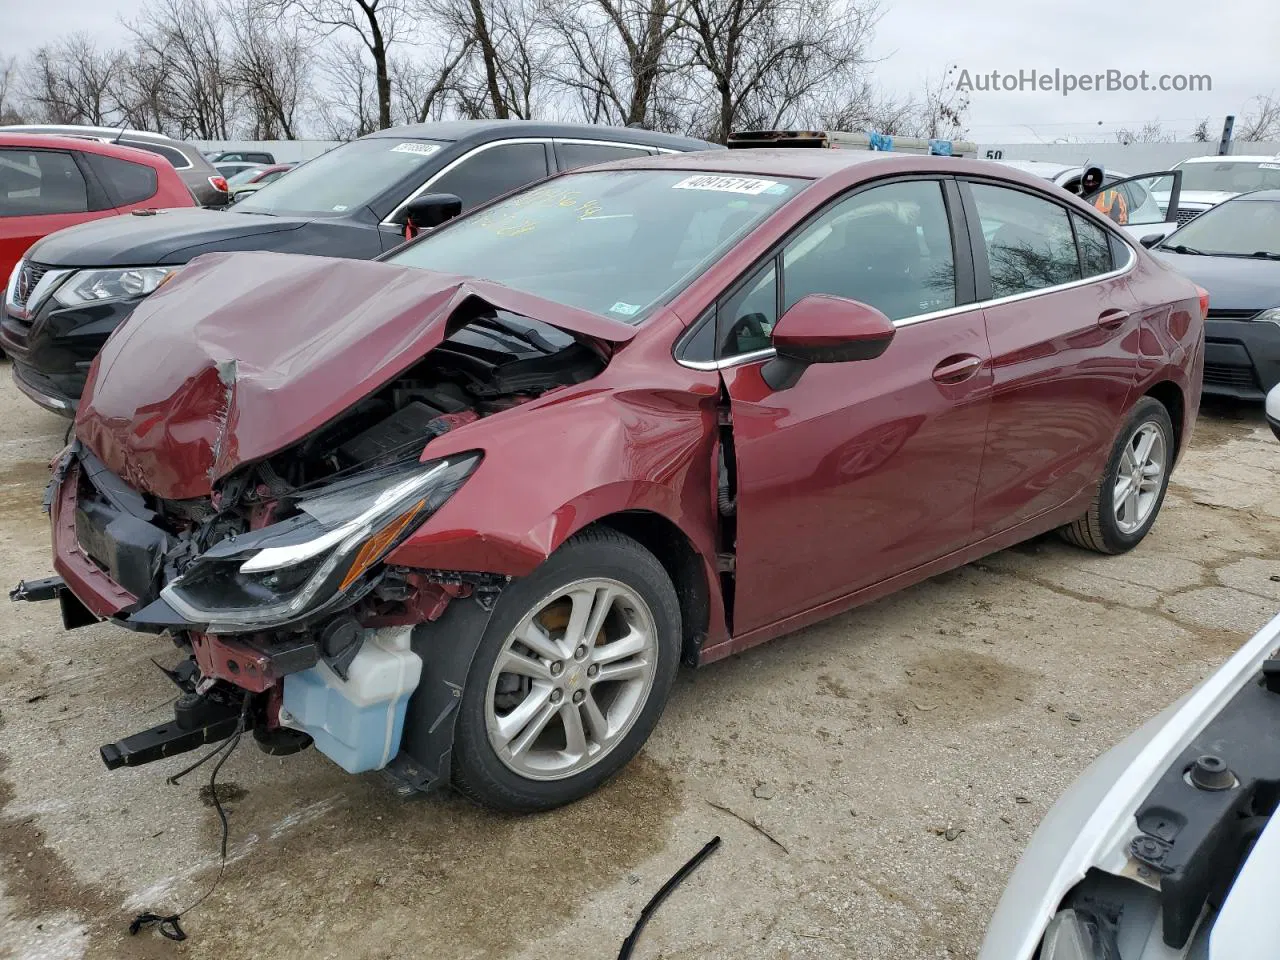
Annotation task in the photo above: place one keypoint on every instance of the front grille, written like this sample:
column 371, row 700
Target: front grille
column 1226, row 375
column 1186, row 216
column 1215, row 314
column 28, row 277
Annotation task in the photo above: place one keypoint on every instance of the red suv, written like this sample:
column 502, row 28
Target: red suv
column 48, row 183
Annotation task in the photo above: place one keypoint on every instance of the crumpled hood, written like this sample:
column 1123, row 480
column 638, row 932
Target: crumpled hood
column 243, row 354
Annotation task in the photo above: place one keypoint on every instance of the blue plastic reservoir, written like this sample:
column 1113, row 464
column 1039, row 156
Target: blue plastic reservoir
column 357, row 723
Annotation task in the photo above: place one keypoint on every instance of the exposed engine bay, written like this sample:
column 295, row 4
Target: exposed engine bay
column 274, row 583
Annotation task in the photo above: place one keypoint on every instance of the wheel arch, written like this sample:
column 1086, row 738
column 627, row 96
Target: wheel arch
column 686, row 566
column 1170, row 396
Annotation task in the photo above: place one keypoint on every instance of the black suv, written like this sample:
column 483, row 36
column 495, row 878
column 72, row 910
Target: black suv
column 350, row 202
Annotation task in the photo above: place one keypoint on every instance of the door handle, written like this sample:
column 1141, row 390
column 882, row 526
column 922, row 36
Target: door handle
column 1113, row 318
column 957, row 369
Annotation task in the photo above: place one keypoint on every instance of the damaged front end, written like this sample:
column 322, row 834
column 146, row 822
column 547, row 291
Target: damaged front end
column 274, row 581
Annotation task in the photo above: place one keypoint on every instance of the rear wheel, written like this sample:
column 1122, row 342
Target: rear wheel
column 1133, row 485
column 570, row 677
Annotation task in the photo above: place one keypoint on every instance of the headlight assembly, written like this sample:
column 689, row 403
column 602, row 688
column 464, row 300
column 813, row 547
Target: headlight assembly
column 1273, row 315
column 101, row 286
column 277, row 574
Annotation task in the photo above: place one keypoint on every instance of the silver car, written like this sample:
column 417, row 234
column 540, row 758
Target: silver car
column 1166, row 848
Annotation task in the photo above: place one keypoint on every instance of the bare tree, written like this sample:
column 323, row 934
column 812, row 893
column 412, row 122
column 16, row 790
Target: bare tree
column 615, row 55
column 1150, row 132
column 184, row 39
column 271, row 66
column 767, row 61
column 377, row 25
column 10, row 111
column 1201, row 132
column 70, row 81
column 423, row 89
column 508, row 56
column 1263, row 123
column 351, row 109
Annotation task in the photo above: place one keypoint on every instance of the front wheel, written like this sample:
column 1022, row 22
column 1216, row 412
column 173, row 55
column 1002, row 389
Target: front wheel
column 1133, row 485
column 571, row 676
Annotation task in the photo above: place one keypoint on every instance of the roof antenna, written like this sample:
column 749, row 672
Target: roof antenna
column 120, row 133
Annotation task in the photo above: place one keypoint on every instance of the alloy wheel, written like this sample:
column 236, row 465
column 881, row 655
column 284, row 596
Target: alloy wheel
column 1139, row 477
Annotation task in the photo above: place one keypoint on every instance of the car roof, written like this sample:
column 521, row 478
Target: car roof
column 1043, row 168
column 482, row 130
column 87, row 131
column 818, row 164
column 1233, row 158
column 47, row 140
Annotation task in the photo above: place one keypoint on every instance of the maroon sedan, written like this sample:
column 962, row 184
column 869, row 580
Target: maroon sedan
column 458, row 515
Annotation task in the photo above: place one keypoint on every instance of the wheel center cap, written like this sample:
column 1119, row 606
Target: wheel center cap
column 573, row 677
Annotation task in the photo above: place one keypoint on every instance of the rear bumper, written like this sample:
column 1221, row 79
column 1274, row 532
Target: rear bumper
column 1242, row 358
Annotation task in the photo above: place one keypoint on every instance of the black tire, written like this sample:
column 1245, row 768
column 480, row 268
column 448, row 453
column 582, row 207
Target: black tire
column 1099, row 530
column 478, row 772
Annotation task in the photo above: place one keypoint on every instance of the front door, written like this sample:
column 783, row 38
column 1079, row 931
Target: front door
column 860, row 470
column 1064, row 334
column 1143, row 205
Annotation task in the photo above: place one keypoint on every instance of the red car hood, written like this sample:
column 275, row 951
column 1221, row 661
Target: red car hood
column 243, row 354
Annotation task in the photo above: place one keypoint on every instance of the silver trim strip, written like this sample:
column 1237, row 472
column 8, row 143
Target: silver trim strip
column 389, row 219
column 937, row 314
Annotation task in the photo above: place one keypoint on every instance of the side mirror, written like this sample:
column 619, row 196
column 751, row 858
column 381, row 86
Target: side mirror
column 1151, row 239
column 430, row 210
column 824, row 329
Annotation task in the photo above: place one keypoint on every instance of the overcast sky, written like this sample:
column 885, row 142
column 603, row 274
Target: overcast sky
column 1233, row 43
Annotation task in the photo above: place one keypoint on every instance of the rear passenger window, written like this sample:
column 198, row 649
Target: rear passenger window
column 581, row 154
column 176, row 158
column 889, row 247
column 38, row 182
column 1095, row 247
column 1029, row 243
column 484, row 175
column 126, row 181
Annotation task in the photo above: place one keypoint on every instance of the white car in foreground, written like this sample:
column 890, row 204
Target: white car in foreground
column 1166, row 848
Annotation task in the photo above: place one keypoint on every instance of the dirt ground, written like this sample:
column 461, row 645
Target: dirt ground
column 874, row 778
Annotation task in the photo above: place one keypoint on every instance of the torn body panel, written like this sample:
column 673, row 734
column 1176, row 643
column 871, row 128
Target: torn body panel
column 327, row 333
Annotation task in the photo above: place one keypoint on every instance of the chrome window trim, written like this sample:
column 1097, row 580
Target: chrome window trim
column 389, row 219
column 754, row 355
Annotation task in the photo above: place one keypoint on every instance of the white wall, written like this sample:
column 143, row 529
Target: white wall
column 285, row 151
column 1131, row 158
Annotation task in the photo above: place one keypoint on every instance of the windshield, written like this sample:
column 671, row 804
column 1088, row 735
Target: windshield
column 1239, row 228
column 244, row 176
column 613, row 242
column 344, row 179
column 1231, row 176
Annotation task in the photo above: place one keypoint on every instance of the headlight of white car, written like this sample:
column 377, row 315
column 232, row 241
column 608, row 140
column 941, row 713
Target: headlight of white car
column 101, row 286
column 1272, row 315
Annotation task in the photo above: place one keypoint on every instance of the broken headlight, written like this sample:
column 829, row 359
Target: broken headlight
column 277, row 574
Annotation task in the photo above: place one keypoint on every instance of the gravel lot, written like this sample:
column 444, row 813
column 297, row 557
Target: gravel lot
column 874, row 778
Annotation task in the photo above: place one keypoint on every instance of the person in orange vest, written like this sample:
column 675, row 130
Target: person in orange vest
column 1114, row 204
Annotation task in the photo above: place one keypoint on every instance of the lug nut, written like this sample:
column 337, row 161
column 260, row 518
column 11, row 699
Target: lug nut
column 578, row 696
column 580, row 653
column 556, row 696
column 593, row 670
column 557, row 668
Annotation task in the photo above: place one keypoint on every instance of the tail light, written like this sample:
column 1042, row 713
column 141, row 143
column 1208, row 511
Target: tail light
column 1204, row 302
column 219, row 183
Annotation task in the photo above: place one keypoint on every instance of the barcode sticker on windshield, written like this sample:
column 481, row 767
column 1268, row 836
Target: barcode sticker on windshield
column 1270, row 166
column 426, row 149
column 720, row 184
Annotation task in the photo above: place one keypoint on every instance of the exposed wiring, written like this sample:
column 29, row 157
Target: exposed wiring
column 169, row 926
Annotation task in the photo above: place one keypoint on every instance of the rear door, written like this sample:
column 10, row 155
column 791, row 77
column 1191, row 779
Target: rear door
column 41, row 191
column 1064, row 334
column 860, row 470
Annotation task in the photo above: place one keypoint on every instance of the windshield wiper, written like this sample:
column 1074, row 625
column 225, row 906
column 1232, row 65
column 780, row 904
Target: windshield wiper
column 1265, row 255
column 1183, row 248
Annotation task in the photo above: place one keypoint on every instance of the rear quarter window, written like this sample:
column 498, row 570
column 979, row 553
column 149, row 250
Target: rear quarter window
column 126, row 182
